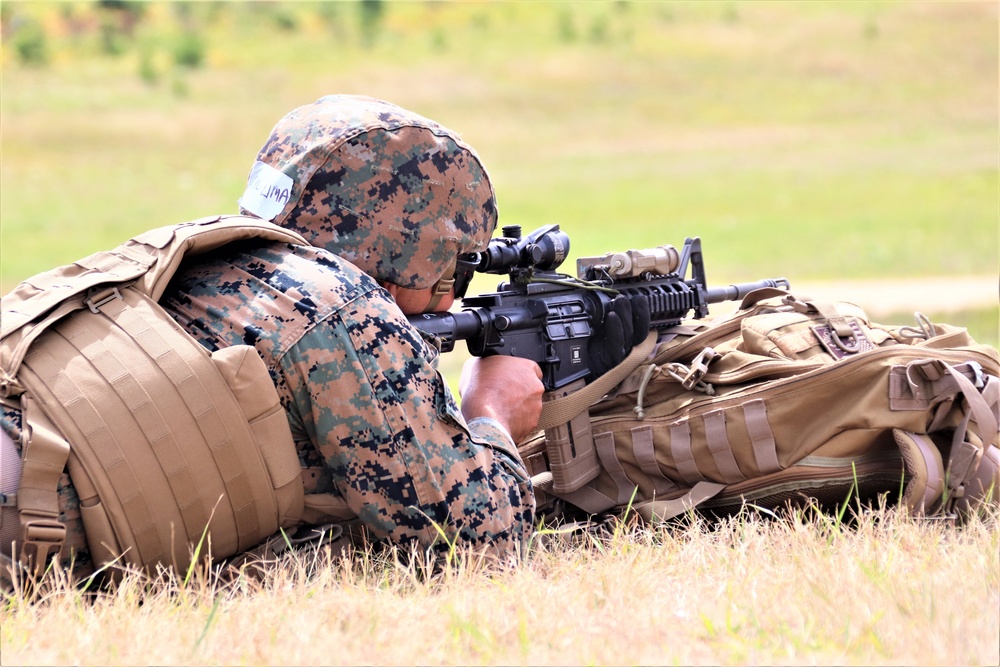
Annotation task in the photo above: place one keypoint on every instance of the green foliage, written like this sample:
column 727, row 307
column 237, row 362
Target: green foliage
column 30, row 42
column 189, row 50
column 285, row 20
column 113, row 42
column 118, row 20
column 125, row 6
column 730, row 14
column 566, row 28
column 148, row 71
column 599, row 31
column 370, row 13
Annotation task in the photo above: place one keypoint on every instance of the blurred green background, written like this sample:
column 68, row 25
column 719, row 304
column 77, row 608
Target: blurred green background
column 816, row 140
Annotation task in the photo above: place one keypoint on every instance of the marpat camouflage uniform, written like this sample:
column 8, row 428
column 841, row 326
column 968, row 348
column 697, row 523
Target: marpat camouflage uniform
column 399, row 196
column 362, row 393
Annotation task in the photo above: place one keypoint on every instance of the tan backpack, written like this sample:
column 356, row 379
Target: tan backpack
column 168, row 446
column 783, row 401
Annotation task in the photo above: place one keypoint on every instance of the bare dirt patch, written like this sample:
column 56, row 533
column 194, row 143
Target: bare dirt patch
column 884, row 297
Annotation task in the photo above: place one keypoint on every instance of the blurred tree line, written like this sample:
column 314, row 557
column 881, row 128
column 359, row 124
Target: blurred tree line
column 171, row 35
column 176, row 30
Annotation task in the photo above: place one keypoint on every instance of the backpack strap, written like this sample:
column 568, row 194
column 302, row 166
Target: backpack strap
column 970, row 469
column 969, row 443
column 593, row 501
column 664, row 510
column 43, row 458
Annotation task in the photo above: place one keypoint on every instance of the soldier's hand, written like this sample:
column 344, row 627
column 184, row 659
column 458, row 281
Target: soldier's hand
column 508, row 389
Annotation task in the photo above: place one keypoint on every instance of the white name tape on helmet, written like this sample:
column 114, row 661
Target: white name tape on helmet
column 267, row 191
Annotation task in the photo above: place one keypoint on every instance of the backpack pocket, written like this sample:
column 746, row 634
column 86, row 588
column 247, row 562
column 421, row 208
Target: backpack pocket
column 812, row 332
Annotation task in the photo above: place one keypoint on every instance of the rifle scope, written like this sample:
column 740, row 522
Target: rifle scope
column 545, row 249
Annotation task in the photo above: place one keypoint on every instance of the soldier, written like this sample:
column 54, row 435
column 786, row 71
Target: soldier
column 388, row 200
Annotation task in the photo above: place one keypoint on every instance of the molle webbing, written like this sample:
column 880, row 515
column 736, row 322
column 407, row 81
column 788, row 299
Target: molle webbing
column 163, row 439
column 644, row 449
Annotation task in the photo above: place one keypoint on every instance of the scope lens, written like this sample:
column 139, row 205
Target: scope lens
column 552, row 250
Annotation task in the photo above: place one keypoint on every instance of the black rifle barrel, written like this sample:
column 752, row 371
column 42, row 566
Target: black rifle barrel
column 449, row 327
column 740, row 290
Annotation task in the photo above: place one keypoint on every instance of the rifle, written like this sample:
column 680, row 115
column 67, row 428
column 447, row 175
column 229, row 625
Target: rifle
column 551, row 318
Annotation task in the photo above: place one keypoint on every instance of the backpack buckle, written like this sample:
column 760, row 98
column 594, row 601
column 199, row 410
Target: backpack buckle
column 978, row 376
column 98, row 298
column 43, row 538
column 9, row 386
column 690, row 377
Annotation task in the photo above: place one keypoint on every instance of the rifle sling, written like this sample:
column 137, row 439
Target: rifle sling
column 561, row 410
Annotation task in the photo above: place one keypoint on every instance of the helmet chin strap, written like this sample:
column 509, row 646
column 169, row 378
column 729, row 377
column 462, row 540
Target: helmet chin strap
column 442, row 288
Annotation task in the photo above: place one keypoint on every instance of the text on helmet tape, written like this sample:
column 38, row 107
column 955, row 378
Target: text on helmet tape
column 267, row 191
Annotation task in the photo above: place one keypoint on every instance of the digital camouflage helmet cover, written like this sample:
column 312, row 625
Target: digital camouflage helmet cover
column 394, row 193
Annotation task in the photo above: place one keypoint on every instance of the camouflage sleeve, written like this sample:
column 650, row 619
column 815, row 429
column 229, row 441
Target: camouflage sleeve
column 366, row 389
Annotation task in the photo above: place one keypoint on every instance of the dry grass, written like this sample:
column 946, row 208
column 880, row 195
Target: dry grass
column 889, row 590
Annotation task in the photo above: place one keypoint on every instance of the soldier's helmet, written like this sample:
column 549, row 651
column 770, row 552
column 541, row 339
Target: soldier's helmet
column 394, row 193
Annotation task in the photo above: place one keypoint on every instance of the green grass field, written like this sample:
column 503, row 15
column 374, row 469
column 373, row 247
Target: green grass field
column 818, row 140
column 813, row 140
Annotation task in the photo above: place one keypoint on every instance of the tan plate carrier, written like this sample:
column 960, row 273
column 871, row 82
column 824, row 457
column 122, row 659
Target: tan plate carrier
column 171, row 449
